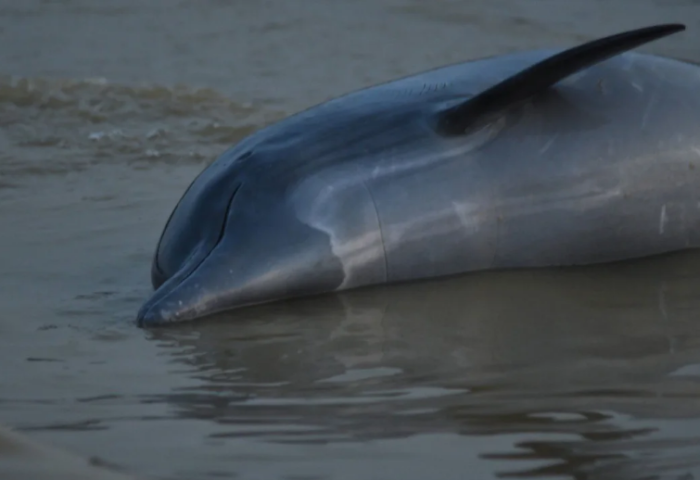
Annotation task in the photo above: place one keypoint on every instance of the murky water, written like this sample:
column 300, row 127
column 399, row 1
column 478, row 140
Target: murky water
column 108, row 109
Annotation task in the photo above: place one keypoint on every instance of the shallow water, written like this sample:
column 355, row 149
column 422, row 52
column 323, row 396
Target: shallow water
column 108, row 110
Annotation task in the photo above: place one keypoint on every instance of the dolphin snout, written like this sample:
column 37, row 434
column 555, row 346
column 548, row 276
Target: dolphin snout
column 196, row 291
column 180, row 298
column 173, row 298
column 149, row 316
column 179, row 306
column 159, row 312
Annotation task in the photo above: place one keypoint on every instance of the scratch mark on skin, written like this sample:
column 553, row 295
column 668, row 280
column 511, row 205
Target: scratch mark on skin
column 647, row 110
column 465, row 214
column 696, row 150
column 381, row 232
column 548, row 144
column 662, row 220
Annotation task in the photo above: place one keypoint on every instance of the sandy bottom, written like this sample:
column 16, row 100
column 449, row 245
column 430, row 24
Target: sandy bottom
column 21, row 458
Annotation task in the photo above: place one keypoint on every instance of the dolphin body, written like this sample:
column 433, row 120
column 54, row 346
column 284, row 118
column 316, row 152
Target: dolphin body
column 532, row 159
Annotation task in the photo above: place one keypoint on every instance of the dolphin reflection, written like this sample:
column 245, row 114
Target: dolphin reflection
column 593, row 352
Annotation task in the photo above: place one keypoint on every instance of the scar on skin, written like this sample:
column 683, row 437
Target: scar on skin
column 600, row 86
column 662, row 220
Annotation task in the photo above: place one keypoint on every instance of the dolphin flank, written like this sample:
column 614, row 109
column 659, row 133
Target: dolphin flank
column 531, row 159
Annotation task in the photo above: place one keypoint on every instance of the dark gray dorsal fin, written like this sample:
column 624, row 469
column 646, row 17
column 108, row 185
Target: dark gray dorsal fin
column 457, row 120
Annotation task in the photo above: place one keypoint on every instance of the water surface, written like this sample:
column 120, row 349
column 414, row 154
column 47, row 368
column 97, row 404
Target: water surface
column 109, row 109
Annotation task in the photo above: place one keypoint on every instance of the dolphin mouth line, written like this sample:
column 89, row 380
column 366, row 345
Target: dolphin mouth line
column 193, row 268
column 219, row 238
column 223, row 228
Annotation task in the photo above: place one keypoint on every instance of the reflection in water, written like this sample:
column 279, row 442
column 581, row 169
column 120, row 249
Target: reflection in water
column 604, row 357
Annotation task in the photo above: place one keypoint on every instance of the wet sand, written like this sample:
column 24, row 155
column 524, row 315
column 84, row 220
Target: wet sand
column 22, row 458
column 108, row 110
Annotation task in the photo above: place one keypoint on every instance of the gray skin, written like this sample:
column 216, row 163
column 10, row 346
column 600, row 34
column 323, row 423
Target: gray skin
column 362, row 190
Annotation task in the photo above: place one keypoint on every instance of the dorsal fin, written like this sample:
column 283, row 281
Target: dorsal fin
column 456, row 120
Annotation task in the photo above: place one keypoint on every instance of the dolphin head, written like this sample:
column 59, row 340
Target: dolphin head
column 245, row 233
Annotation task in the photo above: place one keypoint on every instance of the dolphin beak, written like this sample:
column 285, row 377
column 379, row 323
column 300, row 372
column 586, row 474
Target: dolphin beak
column 179, row 298
column 173, row 300
column 213, row 282
column 161, row 310
column 198, row 294
column 225, row 279
column 149, row 316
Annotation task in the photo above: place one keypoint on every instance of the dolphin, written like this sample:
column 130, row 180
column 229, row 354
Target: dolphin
column 532, row 159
